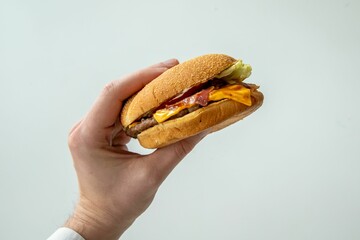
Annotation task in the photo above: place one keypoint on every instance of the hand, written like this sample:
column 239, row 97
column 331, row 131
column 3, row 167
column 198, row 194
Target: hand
column 117, row 185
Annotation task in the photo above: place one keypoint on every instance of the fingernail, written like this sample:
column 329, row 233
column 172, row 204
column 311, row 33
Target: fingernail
column 170, row 62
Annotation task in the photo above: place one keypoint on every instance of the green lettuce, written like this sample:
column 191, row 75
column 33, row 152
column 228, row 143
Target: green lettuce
column 236, row 73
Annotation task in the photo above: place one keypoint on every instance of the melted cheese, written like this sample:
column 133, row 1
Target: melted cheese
column 237, row 93
column 164, row 114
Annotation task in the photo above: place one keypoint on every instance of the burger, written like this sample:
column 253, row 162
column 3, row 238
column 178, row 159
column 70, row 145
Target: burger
column 206, row 93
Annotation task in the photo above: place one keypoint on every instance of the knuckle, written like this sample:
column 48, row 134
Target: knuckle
column 150, row 177
column 163, row 65
column 109, row 88
column 74, row 140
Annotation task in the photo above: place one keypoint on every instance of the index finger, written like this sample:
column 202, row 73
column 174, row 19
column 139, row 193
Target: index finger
column 106, row 108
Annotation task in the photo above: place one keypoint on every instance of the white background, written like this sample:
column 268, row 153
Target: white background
column 289, row 171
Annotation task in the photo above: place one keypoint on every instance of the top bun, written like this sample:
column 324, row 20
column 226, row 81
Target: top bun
column 172, row 82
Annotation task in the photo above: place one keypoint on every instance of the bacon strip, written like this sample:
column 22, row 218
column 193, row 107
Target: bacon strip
column 200, row 98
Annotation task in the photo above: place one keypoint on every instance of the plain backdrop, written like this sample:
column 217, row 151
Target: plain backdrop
column 289, row 171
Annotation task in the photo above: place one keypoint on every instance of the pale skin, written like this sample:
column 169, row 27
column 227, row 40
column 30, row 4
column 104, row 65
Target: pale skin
column 116, row 185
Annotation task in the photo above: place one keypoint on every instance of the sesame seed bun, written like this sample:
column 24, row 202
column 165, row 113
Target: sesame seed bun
column 171, row 83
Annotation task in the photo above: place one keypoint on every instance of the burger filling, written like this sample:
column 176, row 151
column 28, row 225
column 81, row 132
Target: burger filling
column 226, row 85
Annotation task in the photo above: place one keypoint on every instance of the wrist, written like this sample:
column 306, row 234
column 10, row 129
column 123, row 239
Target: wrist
column 92, row 222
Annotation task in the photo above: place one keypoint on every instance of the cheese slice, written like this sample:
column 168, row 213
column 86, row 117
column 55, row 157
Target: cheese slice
column 237, row 93
column 164, row 114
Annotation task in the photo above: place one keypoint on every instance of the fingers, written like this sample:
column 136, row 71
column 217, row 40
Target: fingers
column 108, row 105
column 164, row 160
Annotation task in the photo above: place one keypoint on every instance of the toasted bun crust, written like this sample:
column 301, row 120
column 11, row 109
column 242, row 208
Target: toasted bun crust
column 173, row 82
column 210, row 118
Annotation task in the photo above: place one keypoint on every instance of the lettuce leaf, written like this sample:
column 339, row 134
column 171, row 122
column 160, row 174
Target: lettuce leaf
column 236, row 73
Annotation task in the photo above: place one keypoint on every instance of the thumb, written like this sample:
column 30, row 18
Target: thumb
column 165, row 159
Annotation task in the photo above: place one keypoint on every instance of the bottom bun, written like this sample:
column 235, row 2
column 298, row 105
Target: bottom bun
column 212, row 118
